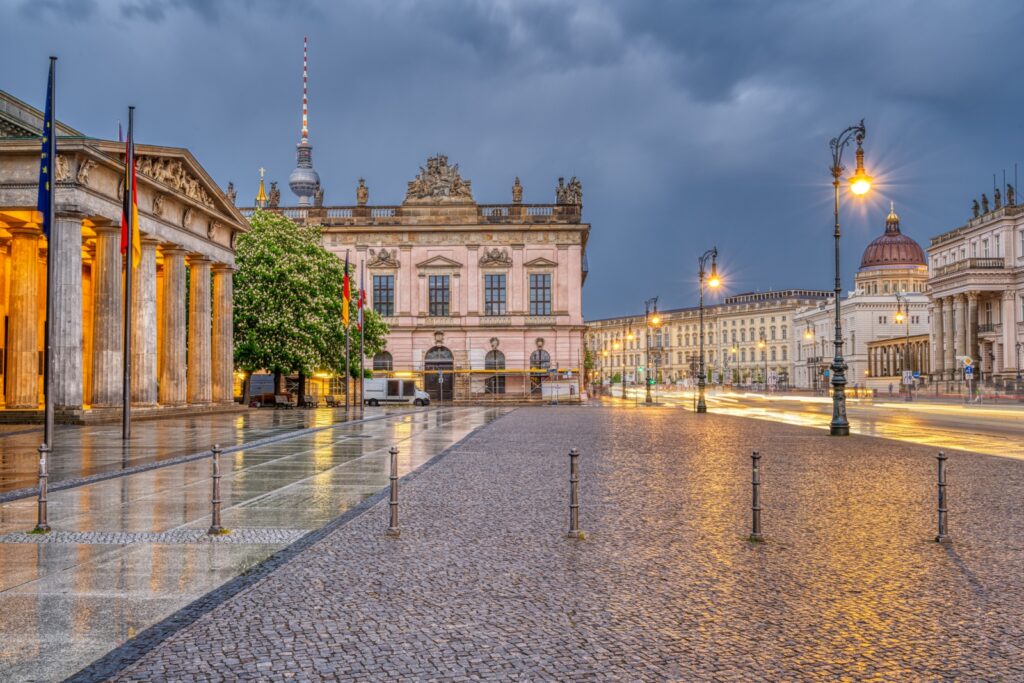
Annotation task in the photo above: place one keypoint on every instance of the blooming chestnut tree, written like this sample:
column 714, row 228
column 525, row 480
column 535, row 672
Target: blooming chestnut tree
column 288, row 293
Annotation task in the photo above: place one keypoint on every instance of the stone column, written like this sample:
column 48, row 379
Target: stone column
column 960, row 325
column 107, row 312
column 971, row 325
column 200, row 381
column 144, row 336
column 23, row 319
column 1009, row 319
column 223, row 334
column 66, row 346
column 172, row 343
column 947, row 333
column 935, row 312
column 4, row 246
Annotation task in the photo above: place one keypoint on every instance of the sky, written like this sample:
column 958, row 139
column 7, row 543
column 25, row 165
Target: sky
column 690, row 123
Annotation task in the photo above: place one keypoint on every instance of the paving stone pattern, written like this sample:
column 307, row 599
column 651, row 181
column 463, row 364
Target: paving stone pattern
column 169, row 536
column 484, row 585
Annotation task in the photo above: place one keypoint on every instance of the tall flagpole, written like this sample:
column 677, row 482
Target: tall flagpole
column 362, row 331
column 348, row 359
column 126, row 411
column 51, row 256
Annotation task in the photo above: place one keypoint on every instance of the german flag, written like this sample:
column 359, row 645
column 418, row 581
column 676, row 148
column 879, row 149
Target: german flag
column 346, row 293
column 130, row 210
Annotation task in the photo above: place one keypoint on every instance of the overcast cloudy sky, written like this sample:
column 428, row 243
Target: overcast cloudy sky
column 690, row 123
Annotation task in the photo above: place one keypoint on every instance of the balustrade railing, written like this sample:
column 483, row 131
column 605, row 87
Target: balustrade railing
column 972, row 264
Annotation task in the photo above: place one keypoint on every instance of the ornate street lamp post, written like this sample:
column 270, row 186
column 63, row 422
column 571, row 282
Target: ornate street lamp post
column 903, row 315
column 713, row 282
column 617, row 346
column 629, row 337
column 651, row 320
column 860, row 183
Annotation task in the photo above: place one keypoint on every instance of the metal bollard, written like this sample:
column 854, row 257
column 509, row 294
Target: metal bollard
column 393, row 529
column 943, row 536
column 215, row 527
column 574, row 494
column 755, row 506
column 42, row 525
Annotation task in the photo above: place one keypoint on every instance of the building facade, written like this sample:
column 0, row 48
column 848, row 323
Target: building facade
column 483, row 301
column 181, row 357
column 889, row 302
column 976, row 282
column 747, row 339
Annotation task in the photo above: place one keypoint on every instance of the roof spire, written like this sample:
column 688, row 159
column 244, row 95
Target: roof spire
column 305, row 88
column 261, row 195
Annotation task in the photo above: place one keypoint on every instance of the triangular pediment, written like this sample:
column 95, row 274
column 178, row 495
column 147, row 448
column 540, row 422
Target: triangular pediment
column 175, row 171
column 540, row 262
column 439, row 262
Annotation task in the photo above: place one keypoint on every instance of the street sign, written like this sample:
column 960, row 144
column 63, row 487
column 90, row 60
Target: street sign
column 968, row 362
column 908, row 377
column 826, row 374
column 917, row 375
column 968, row 372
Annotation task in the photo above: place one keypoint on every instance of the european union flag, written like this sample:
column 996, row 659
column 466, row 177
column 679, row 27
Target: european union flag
column 48, row 158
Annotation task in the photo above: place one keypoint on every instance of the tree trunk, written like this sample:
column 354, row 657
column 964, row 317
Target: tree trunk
column 302, row 387
column 278, row 389
column 246, row 388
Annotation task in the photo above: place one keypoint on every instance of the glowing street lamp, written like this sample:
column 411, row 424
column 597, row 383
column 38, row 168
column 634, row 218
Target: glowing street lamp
column 860, row 184
column 713, row 282
column 903, row 314
column 652, row 321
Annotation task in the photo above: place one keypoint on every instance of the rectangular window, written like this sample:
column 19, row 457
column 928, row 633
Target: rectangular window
column 540, row 294
column 440, row 294
column 384, row 294
column 494, row 294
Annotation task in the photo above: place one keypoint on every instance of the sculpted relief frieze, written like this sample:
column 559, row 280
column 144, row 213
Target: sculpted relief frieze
column 173, row 172
column 439, row 182
column 498, row 258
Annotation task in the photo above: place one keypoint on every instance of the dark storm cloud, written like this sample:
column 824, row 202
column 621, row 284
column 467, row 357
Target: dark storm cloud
column 690, row 123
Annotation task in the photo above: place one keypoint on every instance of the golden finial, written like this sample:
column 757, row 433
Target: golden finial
column 261, row 195
column 892, row 217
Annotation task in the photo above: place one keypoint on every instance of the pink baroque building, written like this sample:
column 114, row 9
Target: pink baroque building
column 484, row 301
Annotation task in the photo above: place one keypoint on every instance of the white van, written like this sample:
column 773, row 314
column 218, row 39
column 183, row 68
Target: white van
column 382, row 390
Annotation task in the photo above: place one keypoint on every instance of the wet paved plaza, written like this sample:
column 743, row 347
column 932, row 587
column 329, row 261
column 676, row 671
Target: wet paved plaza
column 81, row 451
column 484, row 584
column 129, row 551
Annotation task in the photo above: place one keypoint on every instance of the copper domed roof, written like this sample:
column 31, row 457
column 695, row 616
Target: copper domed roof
column 893, row 249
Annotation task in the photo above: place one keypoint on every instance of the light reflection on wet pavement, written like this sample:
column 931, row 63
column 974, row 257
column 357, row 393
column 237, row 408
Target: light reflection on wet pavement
column 63, row 605
column 986, row 428
column 91, row 449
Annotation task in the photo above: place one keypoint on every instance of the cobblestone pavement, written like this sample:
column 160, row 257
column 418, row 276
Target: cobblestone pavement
column 484, row 584
column 126, row 553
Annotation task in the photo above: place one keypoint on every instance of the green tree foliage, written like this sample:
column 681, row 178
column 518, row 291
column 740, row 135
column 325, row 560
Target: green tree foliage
column 288, row 293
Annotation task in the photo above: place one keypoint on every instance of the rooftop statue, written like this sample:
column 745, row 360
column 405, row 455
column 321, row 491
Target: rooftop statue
column 362, row 193
column 975, row 209
column 1011, row 195
column 998, row 197
column 984, row 203
column 439, row 182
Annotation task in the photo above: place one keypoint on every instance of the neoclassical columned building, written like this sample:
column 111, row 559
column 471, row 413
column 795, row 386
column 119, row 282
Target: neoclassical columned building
column 483, row 301
column 976, row 282
column 181, row 308
column 892, row 279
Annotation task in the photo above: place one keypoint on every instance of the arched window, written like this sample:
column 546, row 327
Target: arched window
column 383, row 361
column 540, row 359
column 494, row 360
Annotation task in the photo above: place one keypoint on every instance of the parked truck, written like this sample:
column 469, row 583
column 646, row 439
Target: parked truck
column 383, row 390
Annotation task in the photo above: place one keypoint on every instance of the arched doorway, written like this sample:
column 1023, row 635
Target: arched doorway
column 495, row 384
column 439, row 377
column 540, row 361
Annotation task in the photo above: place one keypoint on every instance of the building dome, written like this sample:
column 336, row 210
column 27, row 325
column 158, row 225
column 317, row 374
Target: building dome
column 893, row 249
